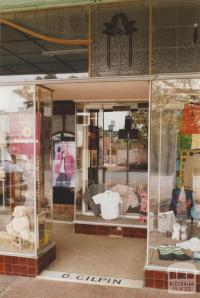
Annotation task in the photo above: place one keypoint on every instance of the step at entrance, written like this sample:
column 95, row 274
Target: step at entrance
column 90, row 279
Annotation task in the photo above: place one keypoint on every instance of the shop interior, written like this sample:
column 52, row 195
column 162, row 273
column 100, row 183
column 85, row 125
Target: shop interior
column 104, row 131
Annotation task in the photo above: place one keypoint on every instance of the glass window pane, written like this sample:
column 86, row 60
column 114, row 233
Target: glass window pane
column 174, row 170
column 44, row 166
column 174, row 49
column 112, row 160
column 17, row 190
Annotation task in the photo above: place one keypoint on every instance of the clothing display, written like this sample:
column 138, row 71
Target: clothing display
column 171, row 253
column 143, row 204
column 144, row 199
column 110, row 204
column 176, row 232
column 166, row 220
column 193, row 244
column 181, row 202
column 191, row 111
column 183, row 232
column 91, row 191
column 128, row 196
column 165, row 253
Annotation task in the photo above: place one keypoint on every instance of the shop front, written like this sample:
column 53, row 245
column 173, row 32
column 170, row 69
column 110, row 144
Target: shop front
column 26, row 192
column 101, row 159
column 100, row 146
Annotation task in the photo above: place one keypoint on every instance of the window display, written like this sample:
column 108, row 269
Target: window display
column 111, row 175
column 17, row 137
column 25, row 170
column 174, row 190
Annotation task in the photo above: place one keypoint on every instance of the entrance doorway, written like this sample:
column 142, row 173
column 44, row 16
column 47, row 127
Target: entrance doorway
column 109, row 153
column 111, row 156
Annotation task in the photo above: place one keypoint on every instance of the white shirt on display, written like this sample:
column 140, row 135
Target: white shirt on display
column 109, row 202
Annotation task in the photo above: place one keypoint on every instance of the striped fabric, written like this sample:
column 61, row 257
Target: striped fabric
column 169, row 252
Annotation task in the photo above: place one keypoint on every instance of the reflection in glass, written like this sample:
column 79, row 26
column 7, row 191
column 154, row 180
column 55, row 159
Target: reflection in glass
column 17, row 190
column 43, row 166
column 174, row 168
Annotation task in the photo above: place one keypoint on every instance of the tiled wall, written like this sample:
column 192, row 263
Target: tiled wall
column 63, row 212
column 29, row 267
column 159, row 279
column 110, row 230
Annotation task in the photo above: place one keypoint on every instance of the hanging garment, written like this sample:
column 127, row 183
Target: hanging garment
column 191, row 119
column 110, row 204
column 91, row 191
column 176, row 231
column 186, row 199
column 166, row 220
column 181, row 206
column 144, row 200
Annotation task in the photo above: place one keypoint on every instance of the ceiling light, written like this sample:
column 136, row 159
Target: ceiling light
column 64, row 52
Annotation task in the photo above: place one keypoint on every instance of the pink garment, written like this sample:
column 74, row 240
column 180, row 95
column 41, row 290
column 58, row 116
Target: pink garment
column 143, row 204
column 144, row 199
column 69, row 164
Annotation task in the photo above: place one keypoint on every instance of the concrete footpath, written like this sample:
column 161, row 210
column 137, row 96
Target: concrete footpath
column 21, row 287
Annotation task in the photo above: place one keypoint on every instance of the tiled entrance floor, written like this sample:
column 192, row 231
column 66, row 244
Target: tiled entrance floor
column 98, row 255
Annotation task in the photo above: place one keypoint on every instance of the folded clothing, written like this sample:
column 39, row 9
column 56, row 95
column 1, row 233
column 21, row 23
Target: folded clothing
column 170, row 253
column 165, row 253
column 180, row 255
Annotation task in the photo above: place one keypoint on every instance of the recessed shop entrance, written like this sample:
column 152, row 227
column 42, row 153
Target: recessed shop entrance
column 100, row 173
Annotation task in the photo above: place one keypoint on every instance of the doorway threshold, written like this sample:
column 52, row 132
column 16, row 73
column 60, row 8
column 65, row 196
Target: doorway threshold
column 90, row 279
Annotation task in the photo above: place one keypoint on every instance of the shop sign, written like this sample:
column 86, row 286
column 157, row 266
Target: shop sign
column 90, row 279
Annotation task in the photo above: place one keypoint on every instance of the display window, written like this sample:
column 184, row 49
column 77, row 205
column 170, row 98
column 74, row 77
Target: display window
column 17, row 143
column 25, row 171
column 112, row 162
column 174, row 177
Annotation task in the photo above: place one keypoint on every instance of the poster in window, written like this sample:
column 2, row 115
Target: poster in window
column 64, row 164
